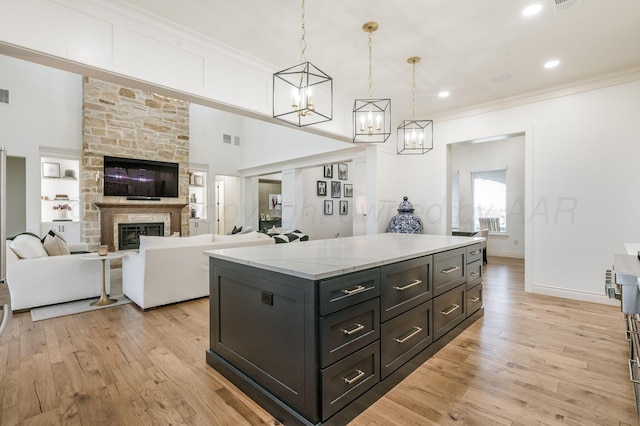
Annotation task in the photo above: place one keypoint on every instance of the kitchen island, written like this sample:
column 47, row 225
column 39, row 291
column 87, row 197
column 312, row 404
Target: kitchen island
column 316, row 331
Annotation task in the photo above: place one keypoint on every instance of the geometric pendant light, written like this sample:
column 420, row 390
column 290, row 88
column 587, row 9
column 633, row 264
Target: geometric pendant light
column 415, row 136
column 302, row 94
column 371, row 117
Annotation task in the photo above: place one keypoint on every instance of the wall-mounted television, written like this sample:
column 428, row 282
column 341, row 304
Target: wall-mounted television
column 140, row 179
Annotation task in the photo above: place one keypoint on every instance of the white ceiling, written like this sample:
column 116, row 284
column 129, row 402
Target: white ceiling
column 479, row 50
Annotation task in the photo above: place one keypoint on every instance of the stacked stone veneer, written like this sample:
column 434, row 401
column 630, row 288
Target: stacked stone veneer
column 125, row 122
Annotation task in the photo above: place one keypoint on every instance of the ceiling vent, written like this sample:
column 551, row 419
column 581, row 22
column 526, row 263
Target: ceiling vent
column 4, row 96
column 564, row 4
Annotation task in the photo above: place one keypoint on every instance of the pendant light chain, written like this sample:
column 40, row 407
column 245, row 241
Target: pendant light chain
column 370, row 66
column 413, row 100
column 303, row 43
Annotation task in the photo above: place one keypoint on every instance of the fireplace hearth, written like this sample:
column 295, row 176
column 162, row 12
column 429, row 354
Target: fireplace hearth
column 129, row 233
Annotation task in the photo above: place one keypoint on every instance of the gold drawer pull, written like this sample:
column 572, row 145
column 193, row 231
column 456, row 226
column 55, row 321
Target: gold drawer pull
column 451, row 309
column 415, row 331
column 355, row 290
column 474, row 274
column 450, row 270
column 357, row 328
column 406, row 286
column 358, row 376
column 474, row 299
column 637, row 382
column 473, row 253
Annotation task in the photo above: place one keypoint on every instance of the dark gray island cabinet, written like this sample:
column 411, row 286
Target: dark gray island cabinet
column 315, row 332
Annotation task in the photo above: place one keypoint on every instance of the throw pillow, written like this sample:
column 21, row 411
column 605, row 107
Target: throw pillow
column 54, row 244
column 236, row 230
column 11, row 255
column 28, row 247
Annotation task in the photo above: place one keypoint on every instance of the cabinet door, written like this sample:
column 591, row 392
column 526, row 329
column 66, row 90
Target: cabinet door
column 70, row 231
column 198, row 227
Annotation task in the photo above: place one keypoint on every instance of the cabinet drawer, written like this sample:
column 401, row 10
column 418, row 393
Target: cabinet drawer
column 474, row 299
column 346, row 380
column 348, row 290
column 449, row 270
column 449, row 310
column 405, row 285
column 474, row 274
column 474, row 252
column 348, row 330
column 404, row 336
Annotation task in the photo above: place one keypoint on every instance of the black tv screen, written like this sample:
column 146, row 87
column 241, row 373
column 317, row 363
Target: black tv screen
column 130, row 177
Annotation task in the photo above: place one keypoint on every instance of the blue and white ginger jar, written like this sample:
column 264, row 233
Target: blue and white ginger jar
column 405, row 221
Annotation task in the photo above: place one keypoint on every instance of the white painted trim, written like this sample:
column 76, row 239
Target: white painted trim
column 510, row 254
column 584, row 296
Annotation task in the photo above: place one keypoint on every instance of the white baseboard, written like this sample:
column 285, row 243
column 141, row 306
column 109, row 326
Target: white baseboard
column 511, row 254
column 583, row 296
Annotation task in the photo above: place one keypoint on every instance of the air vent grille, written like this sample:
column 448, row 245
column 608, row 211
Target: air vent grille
column 236, row 140
column 564, row 4
column 226, row 139
column 4, row 96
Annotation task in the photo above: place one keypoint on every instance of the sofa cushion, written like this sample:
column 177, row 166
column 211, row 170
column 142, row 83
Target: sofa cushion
column 54, row 244
column 240, row 237
column 28, row 247
column 153, row 241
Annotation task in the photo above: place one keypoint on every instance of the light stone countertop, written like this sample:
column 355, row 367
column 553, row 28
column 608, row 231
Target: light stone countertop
column 320, row 259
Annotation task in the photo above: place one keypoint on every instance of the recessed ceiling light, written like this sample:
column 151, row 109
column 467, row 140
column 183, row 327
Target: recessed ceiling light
column 531, row 10
column 443, row 94
column 552, row 64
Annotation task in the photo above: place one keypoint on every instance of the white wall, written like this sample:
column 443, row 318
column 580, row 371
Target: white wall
column 509, row 154
column 313, row 221
column 45, row 109
column 111, row 36
column 581, row 170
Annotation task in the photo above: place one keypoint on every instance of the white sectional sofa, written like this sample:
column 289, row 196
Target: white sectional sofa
column 47, row 280
column 169, row 270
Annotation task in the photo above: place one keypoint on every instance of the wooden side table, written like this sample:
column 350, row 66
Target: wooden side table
column 104, row 300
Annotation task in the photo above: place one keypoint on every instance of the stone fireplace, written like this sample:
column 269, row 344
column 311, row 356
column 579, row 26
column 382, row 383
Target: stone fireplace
column 126, row 122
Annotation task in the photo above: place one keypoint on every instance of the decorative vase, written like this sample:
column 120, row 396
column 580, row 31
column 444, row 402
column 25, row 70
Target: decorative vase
column 63, row 214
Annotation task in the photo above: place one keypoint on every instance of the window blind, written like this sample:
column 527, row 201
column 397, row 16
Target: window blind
column 455, row 199
column 489, row 195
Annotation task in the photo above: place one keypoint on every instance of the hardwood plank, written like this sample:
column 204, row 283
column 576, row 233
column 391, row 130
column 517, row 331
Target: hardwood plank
column 531, row 359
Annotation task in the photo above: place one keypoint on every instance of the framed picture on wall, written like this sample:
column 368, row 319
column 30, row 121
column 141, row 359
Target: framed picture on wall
column 50, row 170
column 343, row 171
column 328, row 170
column 348, row 190
column 344, row 208
column 335, row 189
column 328, row 207
column 321, row 188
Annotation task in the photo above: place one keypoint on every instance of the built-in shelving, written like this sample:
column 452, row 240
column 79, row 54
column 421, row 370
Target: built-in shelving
column 198, row 223
column 60, row 197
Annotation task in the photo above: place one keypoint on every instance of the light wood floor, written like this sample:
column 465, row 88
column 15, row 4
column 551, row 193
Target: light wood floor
column 531, row 360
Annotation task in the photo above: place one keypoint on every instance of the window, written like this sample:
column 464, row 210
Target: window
column 489, row 194
column 455, row 199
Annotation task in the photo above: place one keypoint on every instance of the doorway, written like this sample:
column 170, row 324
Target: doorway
column 16, row 201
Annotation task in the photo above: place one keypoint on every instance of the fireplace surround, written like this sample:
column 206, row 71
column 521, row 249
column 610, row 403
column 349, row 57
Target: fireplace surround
column 109, row 210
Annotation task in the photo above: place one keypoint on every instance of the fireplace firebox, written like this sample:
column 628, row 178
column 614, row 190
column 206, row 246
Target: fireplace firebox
column 129, row 233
